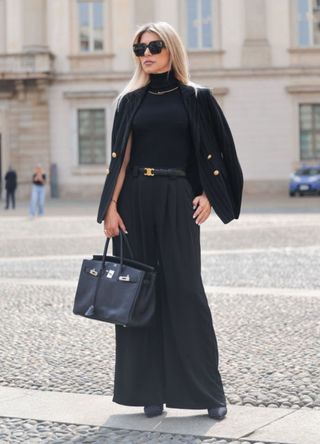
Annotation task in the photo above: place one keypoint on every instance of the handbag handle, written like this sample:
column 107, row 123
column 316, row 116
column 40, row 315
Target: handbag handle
column 91, row 310
column 122, row 236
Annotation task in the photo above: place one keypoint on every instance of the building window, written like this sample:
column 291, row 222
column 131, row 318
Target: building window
column 199, row 24
column 91, row 21
column 92, row 136
column 308, row 22
column 309, row 131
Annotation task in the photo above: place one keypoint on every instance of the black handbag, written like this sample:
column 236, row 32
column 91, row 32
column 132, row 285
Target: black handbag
column 116, row 289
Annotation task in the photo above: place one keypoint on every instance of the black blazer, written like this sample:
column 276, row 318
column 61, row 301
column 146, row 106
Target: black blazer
column 218, row 168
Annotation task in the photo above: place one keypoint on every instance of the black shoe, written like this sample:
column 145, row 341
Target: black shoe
column 153, row 410
column 217, row 412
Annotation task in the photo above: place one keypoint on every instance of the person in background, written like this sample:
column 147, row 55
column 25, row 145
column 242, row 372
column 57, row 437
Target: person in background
column 38, row 192
column 11, row 186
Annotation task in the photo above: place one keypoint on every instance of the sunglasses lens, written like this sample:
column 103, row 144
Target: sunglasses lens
column 155, row 47
column 139, row 49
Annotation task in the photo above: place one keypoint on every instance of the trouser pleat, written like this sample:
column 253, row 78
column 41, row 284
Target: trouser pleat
column 174, row 359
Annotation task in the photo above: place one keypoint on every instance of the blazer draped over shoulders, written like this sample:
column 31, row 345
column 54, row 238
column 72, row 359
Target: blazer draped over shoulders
column 218, row 166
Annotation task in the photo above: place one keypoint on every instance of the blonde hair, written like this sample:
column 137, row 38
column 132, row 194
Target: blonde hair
column 178, row 58
column 39, row 167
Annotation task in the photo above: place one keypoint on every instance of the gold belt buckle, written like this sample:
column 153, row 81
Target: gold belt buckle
column 148, row 172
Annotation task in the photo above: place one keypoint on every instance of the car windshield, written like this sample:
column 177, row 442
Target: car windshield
column 308, row 172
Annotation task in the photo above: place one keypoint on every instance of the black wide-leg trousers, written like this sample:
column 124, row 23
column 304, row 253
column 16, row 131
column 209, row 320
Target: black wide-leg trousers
column 174, row 359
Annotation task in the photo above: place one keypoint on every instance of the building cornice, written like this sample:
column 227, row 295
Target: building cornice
column 303, row 89
column 80, row 95
column 226, row 73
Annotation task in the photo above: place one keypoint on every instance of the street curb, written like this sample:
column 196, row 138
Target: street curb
column 288, row 426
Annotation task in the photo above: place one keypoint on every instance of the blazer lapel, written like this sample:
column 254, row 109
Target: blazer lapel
column 191, row 105
column 138, row 96
column 127, row 116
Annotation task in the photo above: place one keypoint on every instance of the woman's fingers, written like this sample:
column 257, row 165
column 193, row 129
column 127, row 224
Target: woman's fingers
column 122, row 225
column 203, row 217
column 107, row 232
column 113, row 229
column 203, row 210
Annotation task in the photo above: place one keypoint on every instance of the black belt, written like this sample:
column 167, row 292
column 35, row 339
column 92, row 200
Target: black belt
column 149, row 171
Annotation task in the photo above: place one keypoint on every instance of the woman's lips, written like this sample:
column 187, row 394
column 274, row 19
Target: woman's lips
column 148, row 62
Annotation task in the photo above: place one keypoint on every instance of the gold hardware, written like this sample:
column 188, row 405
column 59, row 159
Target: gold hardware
column 114, row 154
column 149, row 172
column 108, row 171
column 159, row 93
column 209, row 156
column 216, row 172
column 94, row 272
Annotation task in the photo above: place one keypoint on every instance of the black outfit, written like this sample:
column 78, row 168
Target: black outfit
column 11, row 185
column 174, row 360
column 161, row 132
column 38, row 182
column 217, row 163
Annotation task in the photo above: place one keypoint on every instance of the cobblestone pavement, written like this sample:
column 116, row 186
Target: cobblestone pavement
column 15, row 430
column 269, row 344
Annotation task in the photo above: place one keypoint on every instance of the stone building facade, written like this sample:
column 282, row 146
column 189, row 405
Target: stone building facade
column 62, row 63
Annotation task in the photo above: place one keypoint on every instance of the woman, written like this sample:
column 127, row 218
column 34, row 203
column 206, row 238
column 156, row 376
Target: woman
column 173, row 157
column 37, row 192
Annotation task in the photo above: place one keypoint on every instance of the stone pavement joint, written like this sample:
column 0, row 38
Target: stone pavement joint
column 263, row 291
column 241, row 422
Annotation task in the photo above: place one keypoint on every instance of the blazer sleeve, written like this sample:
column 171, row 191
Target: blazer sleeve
column 228, row 151
column 119, row 121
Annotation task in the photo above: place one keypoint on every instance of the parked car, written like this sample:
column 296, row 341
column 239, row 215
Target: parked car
column 305, row 180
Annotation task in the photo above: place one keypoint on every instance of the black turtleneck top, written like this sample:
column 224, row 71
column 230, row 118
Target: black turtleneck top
column 160, row 127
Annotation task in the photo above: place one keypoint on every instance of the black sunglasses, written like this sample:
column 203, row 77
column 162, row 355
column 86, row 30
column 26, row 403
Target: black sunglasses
column 155, row 47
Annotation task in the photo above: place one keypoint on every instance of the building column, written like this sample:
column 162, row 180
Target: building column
column 34, row 26
column 3, row 26
column 256, row 50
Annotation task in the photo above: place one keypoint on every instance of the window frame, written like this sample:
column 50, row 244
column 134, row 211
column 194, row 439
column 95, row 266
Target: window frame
column 314, row 131
column 215, row 27
column 77, row 122
column 91, row 29
column 310, row 21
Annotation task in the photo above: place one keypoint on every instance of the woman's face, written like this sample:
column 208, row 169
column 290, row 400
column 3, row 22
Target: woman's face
column 154, row 63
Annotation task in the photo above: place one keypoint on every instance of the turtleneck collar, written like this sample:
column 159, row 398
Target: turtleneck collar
column 162, row 81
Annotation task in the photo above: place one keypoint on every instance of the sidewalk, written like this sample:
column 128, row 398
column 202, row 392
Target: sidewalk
column 242, row 423
column 252, row 203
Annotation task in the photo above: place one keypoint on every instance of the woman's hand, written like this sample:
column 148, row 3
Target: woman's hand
column 113, row 222
column 203, row 211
